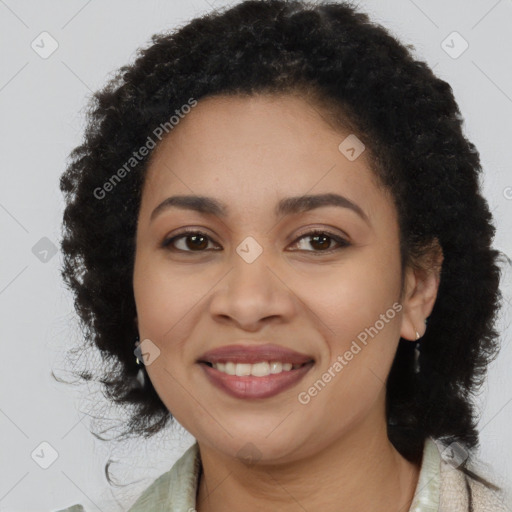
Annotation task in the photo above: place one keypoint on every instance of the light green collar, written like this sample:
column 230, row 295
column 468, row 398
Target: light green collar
column 176, row 490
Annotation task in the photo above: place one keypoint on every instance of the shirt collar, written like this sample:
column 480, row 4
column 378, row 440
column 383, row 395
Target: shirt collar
column 176, row 490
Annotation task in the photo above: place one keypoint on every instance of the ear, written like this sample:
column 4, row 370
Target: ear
column 420, row 292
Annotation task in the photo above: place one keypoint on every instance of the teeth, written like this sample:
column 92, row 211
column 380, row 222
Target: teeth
column 257, row 370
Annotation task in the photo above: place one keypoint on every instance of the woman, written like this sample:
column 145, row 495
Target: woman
column 275, row 228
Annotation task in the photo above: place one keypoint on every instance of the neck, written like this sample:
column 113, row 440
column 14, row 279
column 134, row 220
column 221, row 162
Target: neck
column 361, row 470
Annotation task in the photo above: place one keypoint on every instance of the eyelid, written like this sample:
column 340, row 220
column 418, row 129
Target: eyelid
column 311, row 230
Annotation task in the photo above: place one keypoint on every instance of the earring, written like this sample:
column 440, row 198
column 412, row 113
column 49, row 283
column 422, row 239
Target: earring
column 140, row 378
column 417, row 354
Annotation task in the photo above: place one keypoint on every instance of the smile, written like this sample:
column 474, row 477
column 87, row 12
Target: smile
column 251, row 381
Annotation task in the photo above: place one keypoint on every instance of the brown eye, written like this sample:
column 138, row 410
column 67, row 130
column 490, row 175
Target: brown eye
column 193, row 241
column 196, row 241
column 321, row 241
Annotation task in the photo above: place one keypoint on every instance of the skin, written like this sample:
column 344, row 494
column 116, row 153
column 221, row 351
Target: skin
column 250, row 152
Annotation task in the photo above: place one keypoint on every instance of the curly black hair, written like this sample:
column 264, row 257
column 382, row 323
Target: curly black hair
column 363, row 78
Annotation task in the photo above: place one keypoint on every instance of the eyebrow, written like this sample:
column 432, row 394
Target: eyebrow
column 287, row 206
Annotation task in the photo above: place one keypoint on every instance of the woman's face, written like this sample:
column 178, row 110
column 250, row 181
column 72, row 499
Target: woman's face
column 258, row 276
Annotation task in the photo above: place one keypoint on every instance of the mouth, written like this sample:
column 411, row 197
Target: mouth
column 251, row 372
column 264, row 379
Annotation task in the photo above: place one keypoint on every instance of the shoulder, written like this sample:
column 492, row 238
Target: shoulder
column 467, row 484
column 73, row 508
column 174, row 490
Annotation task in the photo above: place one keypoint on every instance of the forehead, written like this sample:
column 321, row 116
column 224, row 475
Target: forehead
column 256, row 149
column 272, row 127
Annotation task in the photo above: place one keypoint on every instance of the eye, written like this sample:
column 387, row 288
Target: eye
column 321, row 241
column 191, row 241
column 197, row 241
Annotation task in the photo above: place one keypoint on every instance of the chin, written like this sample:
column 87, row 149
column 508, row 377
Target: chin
column 255, row 448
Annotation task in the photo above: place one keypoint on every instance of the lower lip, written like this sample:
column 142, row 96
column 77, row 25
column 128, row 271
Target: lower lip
column 255, row 387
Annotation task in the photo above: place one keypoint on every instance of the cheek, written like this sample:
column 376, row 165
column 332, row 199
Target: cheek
column 164, row 296
column 169, row 305
column 353, row 295
column 162, row 303
column 358, row 305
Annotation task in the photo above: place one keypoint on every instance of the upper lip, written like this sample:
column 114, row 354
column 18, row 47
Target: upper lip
column 251, row 354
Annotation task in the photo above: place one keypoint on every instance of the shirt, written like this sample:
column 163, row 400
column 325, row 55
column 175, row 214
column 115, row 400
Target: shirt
column 441, row 487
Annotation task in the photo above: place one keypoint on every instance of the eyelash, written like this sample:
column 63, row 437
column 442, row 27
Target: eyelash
column 341, row 241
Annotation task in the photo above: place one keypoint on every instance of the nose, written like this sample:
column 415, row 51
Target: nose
column 252, row 295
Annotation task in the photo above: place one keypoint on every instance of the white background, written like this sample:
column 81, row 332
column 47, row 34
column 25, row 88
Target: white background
column 41, row 112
